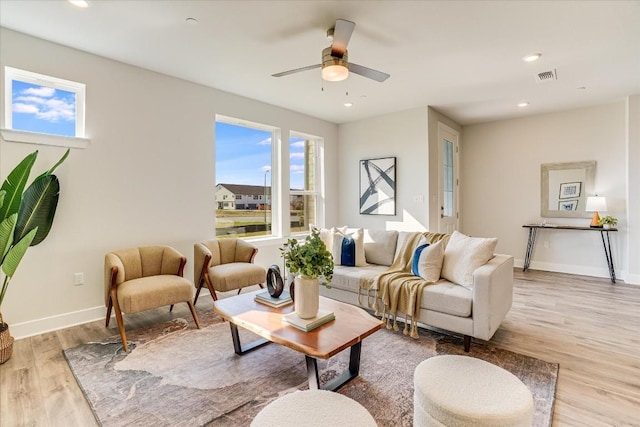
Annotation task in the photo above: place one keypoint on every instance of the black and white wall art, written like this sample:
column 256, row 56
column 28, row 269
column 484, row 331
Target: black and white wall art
column 378, row 186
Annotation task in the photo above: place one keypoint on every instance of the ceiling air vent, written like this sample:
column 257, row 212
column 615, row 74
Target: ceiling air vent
column 546, row 76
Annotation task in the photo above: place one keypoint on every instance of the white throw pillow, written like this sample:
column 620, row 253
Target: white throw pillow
column 463, row 255
column 380, row 246
column 348, row 249
column 326, row 235
column 427, row 261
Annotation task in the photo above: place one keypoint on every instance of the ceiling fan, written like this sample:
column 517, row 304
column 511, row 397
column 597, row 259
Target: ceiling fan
column 335, row 60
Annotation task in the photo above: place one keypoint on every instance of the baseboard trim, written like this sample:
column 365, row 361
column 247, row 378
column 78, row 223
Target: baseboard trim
column 632, row 279
column 57, row 322
column 570, row 269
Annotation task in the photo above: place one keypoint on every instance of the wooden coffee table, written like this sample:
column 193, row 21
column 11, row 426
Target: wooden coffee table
column 351, row 325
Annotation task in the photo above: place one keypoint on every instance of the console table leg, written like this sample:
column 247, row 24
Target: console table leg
column 530, row 244
column 608, row 255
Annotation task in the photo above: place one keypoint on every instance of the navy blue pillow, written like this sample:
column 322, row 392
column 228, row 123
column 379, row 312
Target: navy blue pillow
column 348, row 252
column 416, row 259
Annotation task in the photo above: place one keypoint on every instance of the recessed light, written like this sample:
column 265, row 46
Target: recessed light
column 191, row 21
column 79, row 3
column 532, row 57
column 523, row 104
column 582, row 88
column 348, row 104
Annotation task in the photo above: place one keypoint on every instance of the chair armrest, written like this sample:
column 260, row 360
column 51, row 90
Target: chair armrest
column 492, row 295
column 172, row 261
column 245, row 251
column 201, row 262
column 114, row 274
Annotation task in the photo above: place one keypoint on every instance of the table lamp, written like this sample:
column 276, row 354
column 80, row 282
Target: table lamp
column 596, row 204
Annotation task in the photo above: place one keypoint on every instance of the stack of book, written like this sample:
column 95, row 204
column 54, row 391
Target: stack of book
column 283, row 300
column 307, row 325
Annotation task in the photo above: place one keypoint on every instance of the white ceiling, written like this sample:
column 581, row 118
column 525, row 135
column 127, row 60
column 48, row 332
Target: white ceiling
column 462, row 57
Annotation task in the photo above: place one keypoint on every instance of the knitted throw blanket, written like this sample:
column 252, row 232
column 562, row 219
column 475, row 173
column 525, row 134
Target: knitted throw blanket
column 398, row 290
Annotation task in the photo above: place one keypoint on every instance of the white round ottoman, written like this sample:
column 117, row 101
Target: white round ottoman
column 313, row 408
column 464, row 391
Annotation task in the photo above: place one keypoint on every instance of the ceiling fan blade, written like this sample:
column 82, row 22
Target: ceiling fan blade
column 297, row 70
column 370, row 73
column 341, row 35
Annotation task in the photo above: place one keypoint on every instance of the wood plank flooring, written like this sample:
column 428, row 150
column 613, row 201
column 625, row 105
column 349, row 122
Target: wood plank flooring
column 587, row 325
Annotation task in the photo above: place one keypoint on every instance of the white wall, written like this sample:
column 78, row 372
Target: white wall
column 402, row 135
column 501, row 184
column 633, row 188
column 146, row 178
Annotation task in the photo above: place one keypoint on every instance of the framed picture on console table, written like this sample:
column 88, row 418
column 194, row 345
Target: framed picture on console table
column 378, row 186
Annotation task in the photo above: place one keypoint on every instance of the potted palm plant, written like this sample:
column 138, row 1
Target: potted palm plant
column 26, row 217
column 311, row 264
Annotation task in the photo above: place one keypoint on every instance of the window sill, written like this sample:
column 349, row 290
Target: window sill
column 11, row 135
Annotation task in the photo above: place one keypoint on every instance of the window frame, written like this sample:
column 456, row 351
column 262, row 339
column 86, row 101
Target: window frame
column 8, row 133
column 318, row 180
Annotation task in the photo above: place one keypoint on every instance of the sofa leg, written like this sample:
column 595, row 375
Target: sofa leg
column 467, row 343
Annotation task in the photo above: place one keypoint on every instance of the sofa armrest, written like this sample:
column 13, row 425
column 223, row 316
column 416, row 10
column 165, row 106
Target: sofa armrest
column 492, row 295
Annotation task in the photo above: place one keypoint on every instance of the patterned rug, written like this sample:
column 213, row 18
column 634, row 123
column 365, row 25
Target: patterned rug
column 176, row 375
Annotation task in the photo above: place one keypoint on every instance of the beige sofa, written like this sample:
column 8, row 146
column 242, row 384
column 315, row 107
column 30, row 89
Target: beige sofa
column 473, row 311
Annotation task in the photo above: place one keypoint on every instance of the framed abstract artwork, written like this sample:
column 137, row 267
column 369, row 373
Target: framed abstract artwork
column 378, row 186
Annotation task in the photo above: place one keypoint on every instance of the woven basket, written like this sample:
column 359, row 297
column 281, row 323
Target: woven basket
column 6, row 344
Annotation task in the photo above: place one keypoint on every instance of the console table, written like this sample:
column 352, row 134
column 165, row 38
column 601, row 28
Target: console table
column 604, row 233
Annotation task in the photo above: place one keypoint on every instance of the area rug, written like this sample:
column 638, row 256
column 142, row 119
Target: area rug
column 176, row 375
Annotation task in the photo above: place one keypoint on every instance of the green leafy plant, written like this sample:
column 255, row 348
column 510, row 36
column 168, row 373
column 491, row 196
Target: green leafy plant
column 609, row 220
column 309, row 259
column 26, row 216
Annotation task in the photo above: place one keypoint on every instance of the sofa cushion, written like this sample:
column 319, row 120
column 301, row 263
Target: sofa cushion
column 427, row 261
column 449, row 298
column 349, row 278
column 348, row 249
column 463, row 255
column 380, row 246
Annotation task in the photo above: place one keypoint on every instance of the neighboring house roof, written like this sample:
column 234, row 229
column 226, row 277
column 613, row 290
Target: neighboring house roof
column 249, row 190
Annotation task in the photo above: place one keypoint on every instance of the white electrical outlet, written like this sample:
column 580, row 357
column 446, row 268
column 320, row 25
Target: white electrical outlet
column 78, row 279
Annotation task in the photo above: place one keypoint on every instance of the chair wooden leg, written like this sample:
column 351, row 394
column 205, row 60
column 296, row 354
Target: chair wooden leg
column 193, row 313
column 195, row 299
column 123, row 335
column 109, row 307
column 210, row 286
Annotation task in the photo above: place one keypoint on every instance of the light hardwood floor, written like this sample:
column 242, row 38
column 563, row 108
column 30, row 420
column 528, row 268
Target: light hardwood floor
column 587, row 325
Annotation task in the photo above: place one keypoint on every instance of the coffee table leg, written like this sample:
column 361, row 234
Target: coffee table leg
column 350, row 373
column 239, row 348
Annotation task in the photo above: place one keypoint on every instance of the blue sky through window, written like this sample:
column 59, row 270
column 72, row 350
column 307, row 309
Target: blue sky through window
column 43, row 109
column 243, row 154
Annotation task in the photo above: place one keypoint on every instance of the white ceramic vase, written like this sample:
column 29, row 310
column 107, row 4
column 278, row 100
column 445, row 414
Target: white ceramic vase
column 606, row 226
column 306, row 297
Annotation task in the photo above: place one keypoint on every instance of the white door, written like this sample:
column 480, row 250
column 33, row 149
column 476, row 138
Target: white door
column 448, row 179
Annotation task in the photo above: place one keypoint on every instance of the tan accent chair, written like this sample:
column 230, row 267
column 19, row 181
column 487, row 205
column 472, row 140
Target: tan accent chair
column 143, row 278
column 224, row 265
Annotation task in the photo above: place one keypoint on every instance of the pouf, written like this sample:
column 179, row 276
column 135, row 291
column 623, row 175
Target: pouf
column 463, row 391
column 313, row 408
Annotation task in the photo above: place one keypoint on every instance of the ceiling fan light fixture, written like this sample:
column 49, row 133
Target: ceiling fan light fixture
column 335, row 72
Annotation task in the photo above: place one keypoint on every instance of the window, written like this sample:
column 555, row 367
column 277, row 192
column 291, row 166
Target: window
column 243, row 166
column 304, row 181
column 36, row 104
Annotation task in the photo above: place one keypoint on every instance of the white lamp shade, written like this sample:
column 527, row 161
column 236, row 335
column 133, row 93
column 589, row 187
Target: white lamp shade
column 596, row 204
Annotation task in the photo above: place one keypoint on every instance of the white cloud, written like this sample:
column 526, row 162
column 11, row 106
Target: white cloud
column 19, row 107
column 297, row 169
column 266, row 141
column 298, row 144
column 40, row 101
column 46, row 92
column 265, row 168
column 296, row 155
